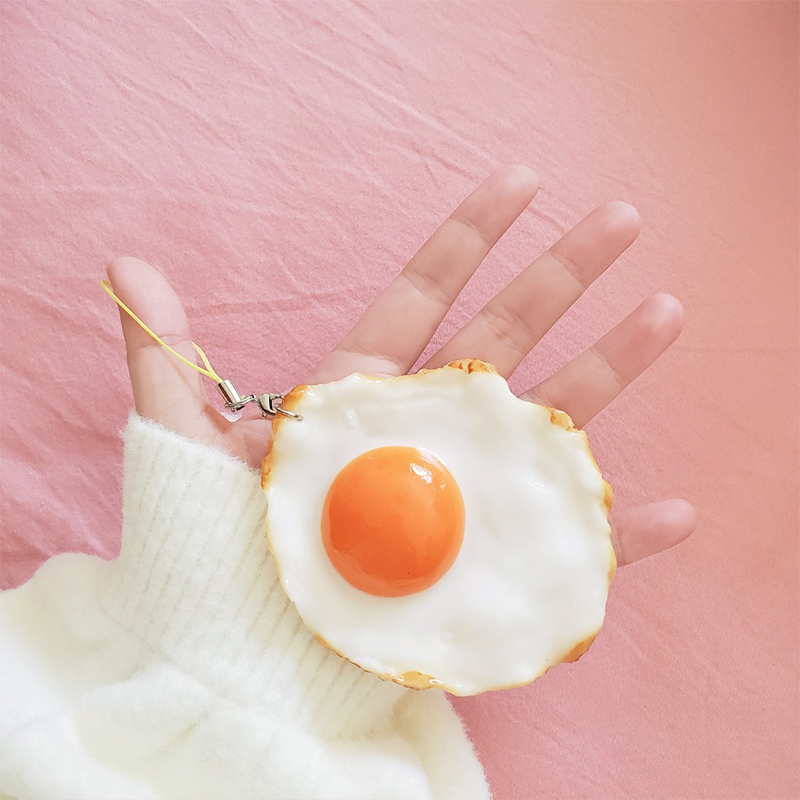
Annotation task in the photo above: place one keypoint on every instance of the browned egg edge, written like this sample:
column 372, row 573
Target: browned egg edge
column 418, row 680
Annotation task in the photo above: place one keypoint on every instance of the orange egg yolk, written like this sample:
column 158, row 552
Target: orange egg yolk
column 393, row 521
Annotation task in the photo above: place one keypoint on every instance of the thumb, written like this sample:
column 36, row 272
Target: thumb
column 164, row 389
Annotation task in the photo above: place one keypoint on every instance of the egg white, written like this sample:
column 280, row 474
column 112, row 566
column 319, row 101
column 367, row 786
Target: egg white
column 529, row 586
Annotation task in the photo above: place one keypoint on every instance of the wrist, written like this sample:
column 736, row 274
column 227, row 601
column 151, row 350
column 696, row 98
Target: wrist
column 194, row 580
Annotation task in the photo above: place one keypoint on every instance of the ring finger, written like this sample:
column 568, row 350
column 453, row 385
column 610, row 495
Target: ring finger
column 588, row 383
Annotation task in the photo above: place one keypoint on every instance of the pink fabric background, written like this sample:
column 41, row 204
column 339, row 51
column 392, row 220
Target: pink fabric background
column 279, row 162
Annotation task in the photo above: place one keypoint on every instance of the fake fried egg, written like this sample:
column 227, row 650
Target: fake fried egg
column 438, row 531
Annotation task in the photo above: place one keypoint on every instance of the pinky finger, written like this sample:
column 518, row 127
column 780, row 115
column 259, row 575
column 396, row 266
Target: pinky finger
column 643, row 531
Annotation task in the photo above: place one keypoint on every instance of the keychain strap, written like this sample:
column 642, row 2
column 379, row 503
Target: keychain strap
column 269, row 403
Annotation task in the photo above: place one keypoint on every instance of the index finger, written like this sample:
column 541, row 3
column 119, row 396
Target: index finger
column 398, row 325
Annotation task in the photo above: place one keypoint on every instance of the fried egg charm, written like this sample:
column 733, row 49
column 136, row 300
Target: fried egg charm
column 436, row 530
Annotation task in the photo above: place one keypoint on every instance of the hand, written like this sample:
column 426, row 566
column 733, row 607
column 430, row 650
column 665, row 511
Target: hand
column 395, row 329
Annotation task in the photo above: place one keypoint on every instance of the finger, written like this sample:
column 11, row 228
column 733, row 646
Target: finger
column 588, row 383
column 643, row 531
column 163, row 387
column 396, row 328
column 507, row 327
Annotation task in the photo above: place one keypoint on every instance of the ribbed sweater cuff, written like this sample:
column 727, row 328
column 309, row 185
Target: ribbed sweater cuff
column 195, row 581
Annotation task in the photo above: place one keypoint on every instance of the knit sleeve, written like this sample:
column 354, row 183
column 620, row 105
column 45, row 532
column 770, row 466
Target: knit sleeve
column 204, row 656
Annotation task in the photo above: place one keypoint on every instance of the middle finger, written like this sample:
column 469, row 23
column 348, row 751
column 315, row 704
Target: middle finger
column 510, row 324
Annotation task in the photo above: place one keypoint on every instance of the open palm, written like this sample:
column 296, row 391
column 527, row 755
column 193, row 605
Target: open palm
column 396, row 328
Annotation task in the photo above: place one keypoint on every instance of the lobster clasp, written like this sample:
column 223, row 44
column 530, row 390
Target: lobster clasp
column 269, row 403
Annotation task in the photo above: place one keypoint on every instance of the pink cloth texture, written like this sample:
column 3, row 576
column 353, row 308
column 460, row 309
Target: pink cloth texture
column 279, row 162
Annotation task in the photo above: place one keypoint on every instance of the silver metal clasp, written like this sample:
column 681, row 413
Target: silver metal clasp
column 269, row 403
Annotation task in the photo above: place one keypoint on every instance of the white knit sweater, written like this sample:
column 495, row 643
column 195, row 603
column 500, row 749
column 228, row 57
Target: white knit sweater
column 180, row 670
